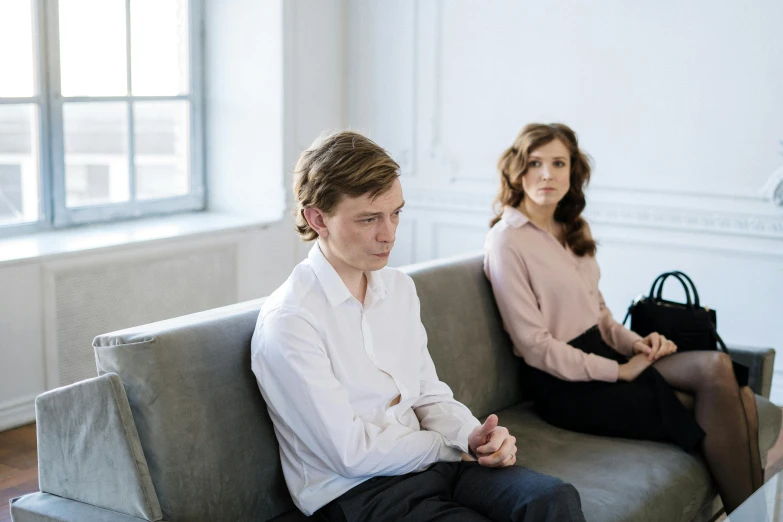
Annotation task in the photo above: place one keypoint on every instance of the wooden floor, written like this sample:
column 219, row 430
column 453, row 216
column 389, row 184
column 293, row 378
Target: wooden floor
column 19, row 465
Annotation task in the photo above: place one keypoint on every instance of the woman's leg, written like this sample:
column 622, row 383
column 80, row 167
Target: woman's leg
column 749, row 402
column 720, row 411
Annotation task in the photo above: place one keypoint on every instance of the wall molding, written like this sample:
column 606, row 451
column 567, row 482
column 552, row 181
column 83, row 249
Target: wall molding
column 665, row 217
column 17, row 412
column 688, row 220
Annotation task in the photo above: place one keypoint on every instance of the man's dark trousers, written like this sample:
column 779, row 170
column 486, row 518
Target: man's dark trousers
column 459, row 492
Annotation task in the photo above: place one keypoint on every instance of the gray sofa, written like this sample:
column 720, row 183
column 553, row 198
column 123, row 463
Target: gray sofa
column 175, row 427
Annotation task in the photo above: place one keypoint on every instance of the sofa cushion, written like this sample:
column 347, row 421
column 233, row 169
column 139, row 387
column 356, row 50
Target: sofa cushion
column 202, row 422
column 623, row 479
column 43, row 507
column 89, row 451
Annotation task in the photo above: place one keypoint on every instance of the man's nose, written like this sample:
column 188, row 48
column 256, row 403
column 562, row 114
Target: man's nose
column 387, row 231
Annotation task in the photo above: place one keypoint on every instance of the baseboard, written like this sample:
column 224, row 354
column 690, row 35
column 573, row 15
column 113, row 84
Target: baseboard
column 17, row 412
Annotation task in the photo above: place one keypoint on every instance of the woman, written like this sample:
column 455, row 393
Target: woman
column 586, row 372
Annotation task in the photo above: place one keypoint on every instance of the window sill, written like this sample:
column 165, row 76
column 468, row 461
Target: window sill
column 104, row 237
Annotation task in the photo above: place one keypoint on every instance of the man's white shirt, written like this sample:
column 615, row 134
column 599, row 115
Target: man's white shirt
column 329, row 370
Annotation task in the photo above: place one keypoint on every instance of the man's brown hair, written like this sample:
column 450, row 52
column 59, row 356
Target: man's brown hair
column 338, row 165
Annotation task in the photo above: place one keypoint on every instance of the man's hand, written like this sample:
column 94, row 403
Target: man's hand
column 493, row 445
column 654, row 346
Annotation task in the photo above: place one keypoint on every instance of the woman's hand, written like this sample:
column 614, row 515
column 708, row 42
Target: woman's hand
column 654, row 346
column 633, row 368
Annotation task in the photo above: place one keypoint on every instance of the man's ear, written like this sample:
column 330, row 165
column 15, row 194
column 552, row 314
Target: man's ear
column 315, row 218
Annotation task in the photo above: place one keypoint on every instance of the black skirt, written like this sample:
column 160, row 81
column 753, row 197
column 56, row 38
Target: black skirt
column 645, row 408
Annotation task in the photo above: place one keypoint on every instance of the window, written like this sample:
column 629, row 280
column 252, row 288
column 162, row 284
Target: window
column 100, row 111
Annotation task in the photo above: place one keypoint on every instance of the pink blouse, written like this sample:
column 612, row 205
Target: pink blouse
column 547, row 295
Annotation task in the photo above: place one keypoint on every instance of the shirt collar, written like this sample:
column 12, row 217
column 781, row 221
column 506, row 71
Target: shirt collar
column 514, row 217
column 333, row 285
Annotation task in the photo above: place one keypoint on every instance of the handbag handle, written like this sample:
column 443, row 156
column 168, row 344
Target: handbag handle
column 652, row 288
column 663, row 278
column 693, row 288
column 718, row 338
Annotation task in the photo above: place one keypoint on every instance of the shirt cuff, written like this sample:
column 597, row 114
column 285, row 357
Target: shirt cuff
column 602, row 369
column 448, row 454
column 464, row 433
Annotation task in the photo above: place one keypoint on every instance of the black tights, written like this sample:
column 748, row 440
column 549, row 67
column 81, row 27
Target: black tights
column 728, row 416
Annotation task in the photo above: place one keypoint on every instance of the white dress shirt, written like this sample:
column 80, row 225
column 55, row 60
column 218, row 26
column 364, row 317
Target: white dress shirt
column 330, row 369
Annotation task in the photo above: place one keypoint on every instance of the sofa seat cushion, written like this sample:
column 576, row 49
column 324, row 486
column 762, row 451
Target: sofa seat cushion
column 622, row 479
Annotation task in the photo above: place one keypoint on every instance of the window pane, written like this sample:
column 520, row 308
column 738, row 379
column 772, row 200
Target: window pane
column 92, row 48
column 96, row 153
column 159, row 47
column 17, row 66
column 19, row 170
column 162, row 149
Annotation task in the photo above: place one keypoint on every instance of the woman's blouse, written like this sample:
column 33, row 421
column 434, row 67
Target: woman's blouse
column 547, row 296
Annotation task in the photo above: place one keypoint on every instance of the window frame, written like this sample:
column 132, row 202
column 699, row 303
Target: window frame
column 53, row 212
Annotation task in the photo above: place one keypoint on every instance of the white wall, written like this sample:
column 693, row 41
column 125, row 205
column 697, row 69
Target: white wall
column 678, row 103
column 243, row 64
column 315, row 82
column 274, row 73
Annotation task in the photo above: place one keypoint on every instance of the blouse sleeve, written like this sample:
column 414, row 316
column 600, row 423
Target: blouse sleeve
column 525, row 324
column 613, row 333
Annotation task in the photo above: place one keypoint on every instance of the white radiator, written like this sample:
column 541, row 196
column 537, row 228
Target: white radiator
column 112, row 292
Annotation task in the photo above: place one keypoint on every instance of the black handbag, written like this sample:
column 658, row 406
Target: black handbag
column 688, row 325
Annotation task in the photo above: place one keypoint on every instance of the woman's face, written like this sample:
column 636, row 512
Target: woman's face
column 548, row 175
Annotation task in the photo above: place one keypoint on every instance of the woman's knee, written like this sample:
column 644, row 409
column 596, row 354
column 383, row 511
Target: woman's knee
column 718, row 369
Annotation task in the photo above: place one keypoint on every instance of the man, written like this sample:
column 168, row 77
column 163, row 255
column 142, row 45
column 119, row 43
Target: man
column 366, row 429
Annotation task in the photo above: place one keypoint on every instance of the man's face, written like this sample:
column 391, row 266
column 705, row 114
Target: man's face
column 361, row 230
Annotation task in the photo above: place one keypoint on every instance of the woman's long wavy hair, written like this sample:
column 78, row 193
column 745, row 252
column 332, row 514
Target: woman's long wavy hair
column 513, row 165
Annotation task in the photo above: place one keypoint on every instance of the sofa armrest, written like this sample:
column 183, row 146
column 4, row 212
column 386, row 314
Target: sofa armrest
column 43, row 507
column 760, row 361
column 89, row 450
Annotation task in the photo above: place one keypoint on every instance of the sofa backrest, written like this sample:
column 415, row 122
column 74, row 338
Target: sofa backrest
column 208, row 440
column 204, row 428
column 471, row 351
